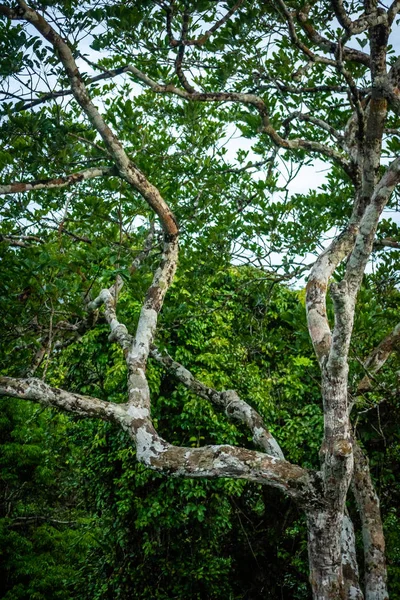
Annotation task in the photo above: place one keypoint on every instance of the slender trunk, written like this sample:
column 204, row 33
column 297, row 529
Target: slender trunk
column 324, row 554
column 349, row 561
column 372, row 530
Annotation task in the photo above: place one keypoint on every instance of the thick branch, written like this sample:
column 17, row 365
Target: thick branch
column 317, row 286
column 38, row 391
column 366, row 234
column 154, row 452
column 349, row 560
column 119, row 332
column 387, row 243
column 152, row 305
column 326, row 45
column 234, row 407
column 393, row 11
column 344, row 294
column 20, row 241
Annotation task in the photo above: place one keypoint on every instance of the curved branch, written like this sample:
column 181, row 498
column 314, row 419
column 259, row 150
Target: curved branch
column 348, row 54
column 393, row 11
column 155, row 453
column 251, row 100
column 317, row 287
column 235, row 408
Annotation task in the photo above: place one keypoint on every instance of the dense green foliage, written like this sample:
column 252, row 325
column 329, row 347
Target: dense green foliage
column 84, row 520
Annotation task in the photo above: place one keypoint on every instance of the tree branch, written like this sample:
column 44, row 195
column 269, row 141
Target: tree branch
column 155, row 453
column 38, row 391
column 372, row 530
column 317, row 287
column 203, row 39
column 386, row 243
column 235, row 408
column 328, row 46
column 126, row 167
column 251, row 100
column 375, row 361
column 20, row 241
column 393, row 11
column 57, row 182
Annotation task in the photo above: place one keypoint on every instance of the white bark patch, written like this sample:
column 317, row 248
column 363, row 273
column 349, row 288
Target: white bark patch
column 147, row 446
column 228, row 462
column 184, row 375
column 144, row 334
column 354, row 593
column 137, row 412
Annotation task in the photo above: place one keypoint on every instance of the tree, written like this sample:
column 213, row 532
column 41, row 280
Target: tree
column 339, row 105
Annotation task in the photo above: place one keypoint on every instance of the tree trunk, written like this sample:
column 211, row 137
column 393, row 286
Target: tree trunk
column 372, row 530
column 324, row 554
column 349, row 561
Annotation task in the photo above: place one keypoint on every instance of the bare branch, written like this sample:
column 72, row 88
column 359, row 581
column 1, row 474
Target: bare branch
column 20, row 241
column 203, row 39
column 119, row 332
column 387, row 243
column 58, row 182
column 181, row 51
column 375, row 361
column 341, row 14
column 152, row 305
column 154, row 452
column 38, row 391
column 317, row 286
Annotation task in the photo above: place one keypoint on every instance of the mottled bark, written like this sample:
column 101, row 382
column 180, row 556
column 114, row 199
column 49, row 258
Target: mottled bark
column 333, row 567
column 235, row 408
column 350, row 572
column 159, row 455
column 372, row 530
column 379, row 356
column 57, row 182
column 324, row 554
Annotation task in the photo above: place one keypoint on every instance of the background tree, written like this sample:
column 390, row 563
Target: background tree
column 336, row 102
